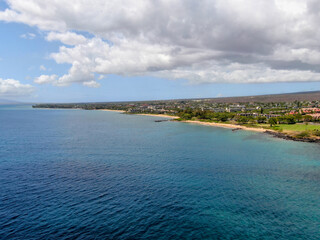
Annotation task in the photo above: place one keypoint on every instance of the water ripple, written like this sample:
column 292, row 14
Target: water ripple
column 106, row 177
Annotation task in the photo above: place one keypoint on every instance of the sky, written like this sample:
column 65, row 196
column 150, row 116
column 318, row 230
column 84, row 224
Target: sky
column 123, row 50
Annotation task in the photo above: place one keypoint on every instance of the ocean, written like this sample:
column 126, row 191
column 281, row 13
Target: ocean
column 76, row 174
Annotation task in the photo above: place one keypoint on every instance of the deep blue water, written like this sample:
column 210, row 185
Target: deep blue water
column 73, row 174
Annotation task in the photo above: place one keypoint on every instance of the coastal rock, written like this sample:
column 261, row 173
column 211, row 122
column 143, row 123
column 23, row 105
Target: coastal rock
column 288, row 137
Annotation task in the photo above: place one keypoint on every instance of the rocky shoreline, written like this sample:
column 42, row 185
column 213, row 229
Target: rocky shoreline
column 276, row 134
column 288, row 137
column 273, row 133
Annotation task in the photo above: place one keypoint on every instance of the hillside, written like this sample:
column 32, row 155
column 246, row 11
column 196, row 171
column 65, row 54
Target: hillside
column 8, row 102
column 286, row 97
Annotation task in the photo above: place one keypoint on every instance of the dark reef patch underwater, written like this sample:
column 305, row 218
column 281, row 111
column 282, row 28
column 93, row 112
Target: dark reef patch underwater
column 73, row 174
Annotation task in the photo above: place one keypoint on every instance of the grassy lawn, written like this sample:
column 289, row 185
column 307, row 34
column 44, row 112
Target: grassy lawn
column 298, row 127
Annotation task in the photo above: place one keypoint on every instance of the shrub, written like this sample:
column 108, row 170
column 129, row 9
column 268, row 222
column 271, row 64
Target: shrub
column 316, row 132
column 242, row 119
column 261, row 119
column 272, row 121
column 307, row 118
column 290, row 119
column 276, row 128
column 303, row 134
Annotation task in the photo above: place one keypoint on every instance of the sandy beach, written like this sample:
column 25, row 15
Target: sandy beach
column 226, row 125
column 159, row 115
column 109, row 110
column 284, row 135
column 142, row 114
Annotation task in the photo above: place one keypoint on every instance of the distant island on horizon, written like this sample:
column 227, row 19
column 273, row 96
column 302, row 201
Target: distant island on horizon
column 10, row 102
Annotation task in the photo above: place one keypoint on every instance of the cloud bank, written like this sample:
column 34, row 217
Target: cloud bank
column 234, row 41
column 13, row 88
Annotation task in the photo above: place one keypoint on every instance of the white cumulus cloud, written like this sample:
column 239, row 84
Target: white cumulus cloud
column 68, row 38
column 92, row 84
column 208, row 41
column 43, row 79
column 29, row 36
column 42, row 68
column 13, row 88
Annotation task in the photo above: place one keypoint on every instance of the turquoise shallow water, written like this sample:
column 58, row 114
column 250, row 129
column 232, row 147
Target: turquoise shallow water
column 72, row 174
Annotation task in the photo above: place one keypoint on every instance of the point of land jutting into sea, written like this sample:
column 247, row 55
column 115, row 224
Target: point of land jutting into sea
column 293, row 116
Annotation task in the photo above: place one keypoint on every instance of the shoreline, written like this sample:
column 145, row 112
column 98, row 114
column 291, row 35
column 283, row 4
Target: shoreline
column 158, row 115
column 142, row 114
column 227, row 125
column 110, row 110
column 276, row 134
column 223, row 125
column 273, row 133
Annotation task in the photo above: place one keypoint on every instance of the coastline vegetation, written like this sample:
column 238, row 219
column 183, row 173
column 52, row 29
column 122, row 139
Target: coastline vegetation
column 298, row 126
column 297, row 120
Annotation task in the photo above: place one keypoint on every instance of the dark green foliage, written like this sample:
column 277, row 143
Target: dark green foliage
column 316, row 132
column 303, row 134
column 298, row 117
column 290, row 119
column 307, row 118
column 281, row 120
column 223, row 117
column 272, row 121
column 261, row 119
column 189, row 114
column 242, row 119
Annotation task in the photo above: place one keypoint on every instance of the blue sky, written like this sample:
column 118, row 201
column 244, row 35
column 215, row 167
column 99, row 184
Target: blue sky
column 25, row 54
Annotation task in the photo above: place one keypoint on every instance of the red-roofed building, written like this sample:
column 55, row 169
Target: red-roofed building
column 315, row 115
column 311, row 110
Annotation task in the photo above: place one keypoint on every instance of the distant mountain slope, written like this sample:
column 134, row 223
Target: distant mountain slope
column 8, row 102
column 286, row 97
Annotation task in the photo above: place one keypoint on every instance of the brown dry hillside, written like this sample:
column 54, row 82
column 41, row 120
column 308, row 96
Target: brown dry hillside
column 287, row 97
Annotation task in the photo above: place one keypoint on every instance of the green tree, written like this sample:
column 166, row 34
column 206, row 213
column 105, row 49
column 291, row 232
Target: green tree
column 290, row 119
column 282, row 119
column 252, row 120
column 209, row 115
column 272, row 121
column 261, row 119
column 186, row 116
column 261, row 110
column 307, row 118
column 242, row 119
column 298, row 117
column 223, row 117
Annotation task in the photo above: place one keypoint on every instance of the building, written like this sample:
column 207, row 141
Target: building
column 315, row 116
column 310, row 110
